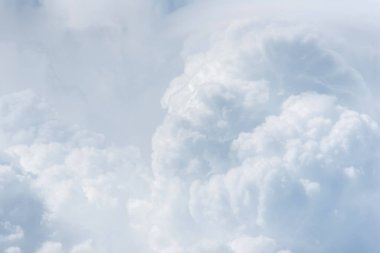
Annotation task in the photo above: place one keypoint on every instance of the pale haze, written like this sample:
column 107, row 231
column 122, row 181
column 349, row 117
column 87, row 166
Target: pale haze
column 189, row 126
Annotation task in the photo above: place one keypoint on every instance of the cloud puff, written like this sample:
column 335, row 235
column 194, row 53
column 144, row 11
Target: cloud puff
column 257, row 148
column 63, row 184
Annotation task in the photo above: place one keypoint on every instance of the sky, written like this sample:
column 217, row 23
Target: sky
column 189, row 126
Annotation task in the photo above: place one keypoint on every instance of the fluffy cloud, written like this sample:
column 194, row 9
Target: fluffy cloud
column 62, row 182
column 269, row 143
column 262, row 137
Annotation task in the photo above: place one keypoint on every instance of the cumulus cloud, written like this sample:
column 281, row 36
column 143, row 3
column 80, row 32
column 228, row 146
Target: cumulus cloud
column 269, row 141
column 261, row 133
column 62, row 183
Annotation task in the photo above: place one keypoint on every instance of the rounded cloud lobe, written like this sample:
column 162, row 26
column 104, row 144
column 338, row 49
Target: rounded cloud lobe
column 63, row 187
column 267, row 147
column 269, row 144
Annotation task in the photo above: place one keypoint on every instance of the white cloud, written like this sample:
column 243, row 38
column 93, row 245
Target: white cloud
column 269, row 141
column 80, row 183
column 273, row 167
column 247, row 244
column 13, row 250
column 51, row 247
column 84, row 247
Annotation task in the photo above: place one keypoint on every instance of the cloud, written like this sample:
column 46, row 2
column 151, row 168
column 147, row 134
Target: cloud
column 85, row 58
column 61, row 180
column 21, row 212
column 247, row 244
column 267, row 140
column 51, row 247
column 258, row 137
column 13, row 250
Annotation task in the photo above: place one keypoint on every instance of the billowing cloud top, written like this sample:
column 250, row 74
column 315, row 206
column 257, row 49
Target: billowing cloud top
column 267, row 141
